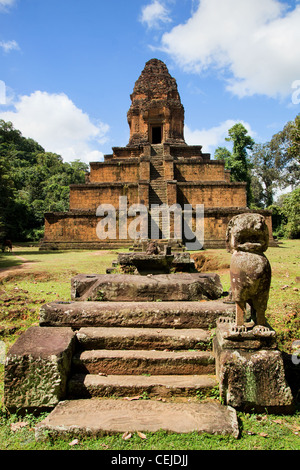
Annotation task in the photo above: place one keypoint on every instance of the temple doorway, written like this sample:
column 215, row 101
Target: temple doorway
column 156, row 135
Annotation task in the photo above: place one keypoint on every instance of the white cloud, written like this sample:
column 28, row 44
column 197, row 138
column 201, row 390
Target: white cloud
column 8, row 46
column 255, row 42
column 4, row 4
column 154, row 14
column 214, row 137
column 58, row 125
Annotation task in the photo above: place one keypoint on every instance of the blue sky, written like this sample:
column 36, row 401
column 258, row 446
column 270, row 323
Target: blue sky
column 68, row 67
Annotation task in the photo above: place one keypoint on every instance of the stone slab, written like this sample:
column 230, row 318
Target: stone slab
column 164, row 287
column 163, row 386
column 143, row 338
column 135, row 314
column 93, row 417
column 37, row 367
column 135, row 362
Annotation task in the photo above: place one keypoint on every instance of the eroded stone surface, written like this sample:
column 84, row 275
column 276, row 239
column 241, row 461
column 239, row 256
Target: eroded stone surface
column 37, row 367
column 135, row 314
column 165, row 287
column 250, row 338
column 138, row 362
column 247, row 239
column 143, row 338
column 251, row 378
column 98, row 417
column 160, row 386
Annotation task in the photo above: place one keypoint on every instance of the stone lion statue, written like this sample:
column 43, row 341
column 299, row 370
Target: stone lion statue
column 247, row 238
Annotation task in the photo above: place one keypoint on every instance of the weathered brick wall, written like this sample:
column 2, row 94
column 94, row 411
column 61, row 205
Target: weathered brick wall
column 216, row 222
column 115, row 172
column 80, row 228
column 192, row 170
column 212, row 194
column 188, row 151
column 70, row 227
column 127, row 152
column 89, row 197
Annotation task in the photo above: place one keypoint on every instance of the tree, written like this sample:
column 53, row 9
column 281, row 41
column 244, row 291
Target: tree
column 286, row 147
column 222, row 153
column 237, row 161
column 291, row 209
column 32, row 182
column 265, row 176
column 7, row 195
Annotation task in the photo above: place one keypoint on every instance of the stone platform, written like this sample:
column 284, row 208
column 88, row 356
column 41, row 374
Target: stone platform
column 98, row 417
column 164, row 287
column 135, row 314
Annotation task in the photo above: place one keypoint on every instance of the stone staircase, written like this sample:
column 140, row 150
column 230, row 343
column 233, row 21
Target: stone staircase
column 158, row 187
column 154, row 363
column 139, row 365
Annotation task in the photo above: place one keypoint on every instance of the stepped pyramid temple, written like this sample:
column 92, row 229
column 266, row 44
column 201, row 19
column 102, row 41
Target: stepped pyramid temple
column 157, row 167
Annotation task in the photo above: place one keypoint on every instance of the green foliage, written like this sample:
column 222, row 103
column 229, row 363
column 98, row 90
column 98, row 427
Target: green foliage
column 291, row 208
column 286, row 147
column 279, row 220
column 222, row 153
column 268, row 167
column 32, row 182
column 237, row 161
column 286, row 215
column 264, row 175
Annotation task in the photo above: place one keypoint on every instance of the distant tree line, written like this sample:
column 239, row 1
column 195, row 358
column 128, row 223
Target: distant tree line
column 32, row 182
column 271, row 171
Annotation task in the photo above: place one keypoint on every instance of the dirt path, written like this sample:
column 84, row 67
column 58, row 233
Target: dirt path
column 7, row 272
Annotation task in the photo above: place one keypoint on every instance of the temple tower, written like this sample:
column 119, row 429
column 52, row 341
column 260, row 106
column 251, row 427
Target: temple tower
column 156, row 114
column 156, row 168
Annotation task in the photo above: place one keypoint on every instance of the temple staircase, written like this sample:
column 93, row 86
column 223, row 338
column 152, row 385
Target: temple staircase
column 140, row 366
column 158, row 189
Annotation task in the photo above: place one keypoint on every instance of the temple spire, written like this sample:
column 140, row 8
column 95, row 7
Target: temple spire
column 156, row 114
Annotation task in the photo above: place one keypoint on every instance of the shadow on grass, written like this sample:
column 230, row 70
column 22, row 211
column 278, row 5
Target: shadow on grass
column 7, row 260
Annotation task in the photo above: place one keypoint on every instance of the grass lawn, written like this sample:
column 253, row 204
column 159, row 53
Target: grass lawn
column 29, row 278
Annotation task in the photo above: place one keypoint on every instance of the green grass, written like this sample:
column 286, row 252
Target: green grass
column 45, row 277
column 258, row 432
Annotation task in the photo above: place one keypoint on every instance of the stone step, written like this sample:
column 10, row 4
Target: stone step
column 163, row 386
column 138, row 362
column 135, row 314
column 143, row 338
column 95, row 417
column 158, row 182
column 163, row 287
